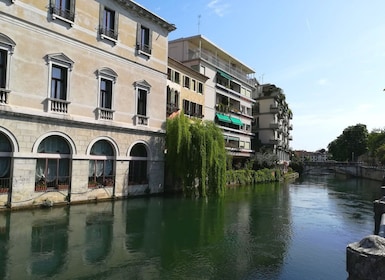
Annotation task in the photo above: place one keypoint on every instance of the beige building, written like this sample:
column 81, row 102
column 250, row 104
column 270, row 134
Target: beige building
column 272, row 122
column 228, row 91
column 82, row 100
column 185, row 90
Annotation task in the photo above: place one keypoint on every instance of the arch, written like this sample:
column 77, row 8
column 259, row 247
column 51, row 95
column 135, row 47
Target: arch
column 54, row 133
column 7, row 42
column 148, row 150
column 138, row 164
column 111, row 142
column 11, row 138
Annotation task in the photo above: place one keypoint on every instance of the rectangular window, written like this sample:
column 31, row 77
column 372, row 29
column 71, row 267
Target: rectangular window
column 200, row 88
column 142, row 102
column 3, row 68
column 106, row 94
column 108, row 23
column 64, row 9
column 59, row 82
column 194, row 85
column 143, row 39
column 186, row 82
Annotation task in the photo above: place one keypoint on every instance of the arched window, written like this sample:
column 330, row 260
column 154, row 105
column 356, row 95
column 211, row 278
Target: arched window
column 138, row 165
column 101, row 168
column 53, row 169
column 5, row 163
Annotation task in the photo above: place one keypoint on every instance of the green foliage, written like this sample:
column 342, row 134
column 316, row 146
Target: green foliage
column 352, row 143
column 196, row 156
column 375, row 142
column 247, row 176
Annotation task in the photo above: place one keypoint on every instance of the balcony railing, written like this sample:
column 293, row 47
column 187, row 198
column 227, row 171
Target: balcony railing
column 110, row 33
column 144, row 48
column 171, row 108
column 66, row 14
column 58, row 105
column 4, row 95
column 141, row 120
column 105, row 114
column 224, row 65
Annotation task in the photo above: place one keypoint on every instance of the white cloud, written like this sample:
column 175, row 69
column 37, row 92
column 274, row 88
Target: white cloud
column 219, row 7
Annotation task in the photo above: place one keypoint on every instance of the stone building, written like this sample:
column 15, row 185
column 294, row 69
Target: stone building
column 228, row 90
column 82, row 100
column 272, row 122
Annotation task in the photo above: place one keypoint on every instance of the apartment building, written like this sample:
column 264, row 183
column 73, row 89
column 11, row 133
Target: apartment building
column 228, row 90
column 272, row 122
column 82, row 100
column 185, row 90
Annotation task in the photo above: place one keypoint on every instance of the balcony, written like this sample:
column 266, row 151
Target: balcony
column 4, row 95
column 274, row 141
column 105, row 114
column 224, row 65
column 141, row 120
column 64, row 14
column 58, row 105
column 171, row 108
column 108, row 33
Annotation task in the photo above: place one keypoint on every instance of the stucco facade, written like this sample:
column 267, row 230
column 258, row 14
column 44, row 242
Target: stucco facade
column 82, row 94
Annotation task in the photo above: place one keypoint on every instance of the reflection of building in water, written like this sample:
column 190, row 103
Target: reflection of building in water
column 82, row 108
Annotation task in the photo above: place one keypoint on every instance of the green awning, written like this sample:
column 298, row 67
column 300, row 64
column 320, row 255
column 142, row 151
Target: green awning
column 236, row 121
column 223, row 118
column 224, row 75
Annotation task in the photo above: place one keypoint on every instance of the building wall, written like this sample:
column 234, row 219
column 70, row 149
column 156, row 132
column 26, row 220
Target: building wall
column 26, row 118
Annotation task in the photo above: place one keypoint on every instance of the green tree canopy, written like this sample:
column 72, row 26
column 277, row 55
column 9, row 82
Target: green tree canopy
column 196, row 155
column 352, row 143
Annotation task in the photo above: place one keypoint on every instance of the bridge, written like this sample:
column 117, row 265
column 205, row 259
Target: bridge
column 326, row 167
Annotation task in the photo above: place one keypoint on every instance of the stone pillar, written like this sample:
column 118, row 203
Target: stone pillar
column 366, row 259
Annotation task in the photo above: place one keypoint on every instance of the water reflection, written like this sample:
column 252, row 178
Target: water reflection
column 257, row 232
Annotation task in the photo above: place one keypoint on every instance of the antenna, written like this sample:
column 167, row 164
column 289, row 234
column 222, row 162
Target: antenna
column 199, row 23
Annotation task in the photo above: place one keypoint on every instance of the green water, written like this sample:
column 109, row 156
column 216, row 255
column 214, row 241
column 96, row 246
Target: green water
column 273, row 231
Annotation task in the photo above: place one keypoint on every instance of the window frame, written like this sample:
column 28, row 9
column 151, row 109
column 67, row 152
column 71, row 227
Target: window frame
column 109, row 75
column 7, row 47
column 65, row 63
column 109, row 33
column 67, row 15
column 141, row 87
column 141, row 47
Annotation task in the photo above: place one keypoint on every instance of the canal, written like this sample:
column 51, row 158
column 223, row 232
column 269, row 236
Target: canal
column 273, row 231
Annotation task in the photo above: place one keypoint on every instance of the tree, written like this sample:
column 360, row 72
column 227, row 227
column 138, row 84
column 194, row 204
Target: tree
column 352, row 143
column 196, row 155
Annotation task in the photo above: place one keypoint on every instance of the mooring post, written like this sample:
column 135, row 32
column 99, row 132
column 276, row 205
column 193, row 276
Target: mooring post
column 366, row 259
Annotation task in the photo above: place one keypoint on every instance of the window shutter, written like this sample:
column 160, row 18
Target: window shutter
column 150, row 40
column 72, row 7
column 101, row 14
column 116, row 24
column 138, row 35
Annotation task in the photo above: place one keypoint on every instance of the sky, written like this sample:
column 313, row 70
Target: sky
column 328, row 56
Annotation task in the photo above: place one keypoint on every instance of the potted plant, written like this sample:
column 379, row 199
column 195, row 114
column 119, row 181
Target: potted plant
column 4, row 190
column 108, row 182
column 41, row 186
column 92, row 184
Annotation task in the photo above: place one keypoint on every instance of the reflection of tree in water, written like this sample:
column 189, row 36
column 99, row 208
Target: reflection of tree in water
column 99, row 235
column 49, row 247
column 4, row 239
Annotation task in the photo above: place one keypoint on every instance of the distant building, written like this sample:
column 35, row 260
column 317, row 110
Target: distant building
column 227, row 93
column 82, row 100
column 185, row 90
column 272, row 126
column 312, row 156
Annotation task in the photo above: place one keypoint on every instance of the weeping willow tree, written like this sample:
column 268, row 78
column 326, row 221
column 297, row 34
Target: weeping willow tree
column 196, row 156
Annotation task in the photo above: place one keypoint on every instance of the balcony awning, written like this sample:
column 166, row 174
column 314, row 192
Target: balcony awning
column 223, row 118
column 231, row 138
column 236, row 121
column 224, row 75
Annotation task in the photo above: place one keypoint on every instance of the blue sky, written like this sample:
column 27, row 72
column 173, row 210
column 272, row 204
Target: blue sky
column 328, row 56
